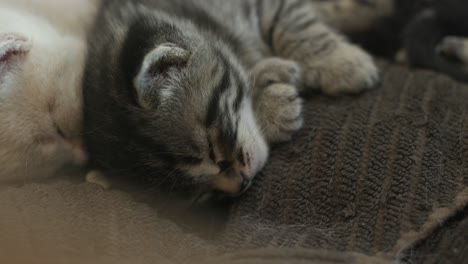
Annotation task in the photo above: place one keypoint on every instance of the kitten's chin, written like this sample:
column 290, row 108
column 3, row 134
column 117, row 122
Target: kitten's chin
column 233, row 189
column 232, row 183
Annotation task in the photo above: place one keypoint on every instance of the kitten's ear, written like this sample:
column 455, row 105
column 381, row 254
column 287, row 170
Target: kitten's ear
column 155, row 70
column 13, row 47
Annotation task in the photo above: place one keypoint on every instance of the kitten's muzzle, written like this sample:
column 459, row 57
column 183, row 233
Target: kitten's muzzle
column 232, row 182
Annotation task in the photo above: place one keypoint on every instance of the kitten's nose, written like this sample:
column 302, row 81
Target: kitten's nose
column 232, row 182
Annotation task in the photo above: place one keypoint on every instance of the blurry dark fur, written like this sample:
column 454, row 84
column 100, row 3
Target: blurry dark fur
column 418, row 27
column 428, row 29
column 385, row 37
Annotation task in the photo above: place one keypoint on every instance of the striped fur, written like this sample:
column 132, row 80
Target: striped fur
column 198, row 88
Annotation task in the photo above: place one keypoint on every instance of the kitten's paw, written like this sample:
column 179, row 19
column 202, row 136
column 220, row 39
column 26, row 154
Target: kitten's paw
column 275, row 70
column 278, row 105
column 98, row 178
column 347, row 70
column 280, row 108
column 455, row 48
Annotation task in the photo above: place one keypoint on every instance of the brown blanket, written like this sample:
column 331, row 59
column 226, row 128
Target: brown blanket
column 373, row 174
column 370, row 179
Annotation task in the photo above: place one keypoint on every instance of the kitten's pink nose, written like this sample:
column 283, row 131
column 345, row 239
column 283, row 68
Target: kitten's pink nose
column 232, row 181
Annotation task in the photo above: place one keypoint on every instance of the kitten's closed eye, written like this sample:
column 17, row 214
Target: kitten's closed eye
column 191, row 160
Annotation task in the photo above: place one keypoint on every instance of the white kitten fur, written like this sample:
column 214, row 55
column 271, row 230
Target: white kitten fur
column 40, row 86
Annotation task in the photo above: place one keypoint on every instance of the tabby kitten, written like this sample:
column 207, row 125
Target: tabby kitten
column 199, row 89
column 42, row 56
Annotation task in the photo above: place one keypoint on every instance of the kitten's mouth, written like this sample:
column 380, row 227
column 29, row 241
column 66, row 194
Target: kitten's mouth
column 220, row 195
column 244, row 188
column 232, row 182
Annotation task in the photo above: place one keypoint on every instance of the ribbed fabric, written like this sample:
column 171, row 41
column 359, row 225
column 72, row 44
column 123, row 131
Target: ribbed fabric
column 372, row 174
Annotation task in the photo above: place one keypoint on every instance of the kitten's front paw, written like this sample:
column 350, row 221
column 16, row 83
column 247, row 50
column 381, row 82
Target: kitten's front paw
column 278, row 105
column 348, row 69
column 281, row 109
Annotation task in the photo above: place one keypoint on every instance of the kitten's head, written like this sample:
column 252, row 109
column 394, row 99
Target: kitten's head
column 39, row 111
column 196, row 108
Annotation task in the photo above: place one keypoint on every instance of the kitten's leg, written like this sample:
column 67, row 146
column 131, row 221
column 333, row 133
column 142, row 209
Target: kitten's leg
column 329, row 62
column 354, row 15
column 278, row 106
column 455, row 47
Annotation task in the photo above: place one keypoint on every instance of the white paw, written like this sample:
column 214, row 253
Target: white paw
column 280, row 112
column 348, row 69
column 455, row 48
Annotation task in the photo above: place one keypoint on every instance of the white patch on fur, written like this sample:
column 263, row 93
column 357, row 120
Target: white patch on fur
column 43, row 94
column 251, row 139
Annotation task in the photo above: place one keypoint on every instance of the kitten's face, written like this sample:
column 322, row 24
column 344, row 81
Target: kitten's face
column 39, row 109
column 201, row 114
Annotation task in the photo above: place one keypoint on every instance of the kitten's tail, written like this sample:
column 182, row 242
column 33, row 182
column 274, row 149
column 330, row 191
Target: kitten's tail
column 421, row 38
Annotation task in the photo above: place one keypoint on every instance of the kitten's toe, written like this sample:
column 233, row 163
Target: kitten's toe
column 348, row 70
column 280, row 109
column 276, row 70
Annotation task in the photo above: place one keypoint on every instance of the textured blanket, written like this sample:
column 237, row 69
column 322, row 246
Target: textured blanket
column 371, row 179
column 374, row 174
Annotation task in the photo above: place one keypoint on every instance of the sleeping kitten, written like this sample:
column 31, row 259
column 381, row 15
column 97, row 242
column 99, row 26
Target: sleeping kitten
column 42, row 58
column 167, row 85
column 275, row 81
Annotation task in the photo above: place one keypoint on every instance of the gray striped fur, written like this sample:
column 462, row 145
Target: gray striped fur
column 198, row 88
